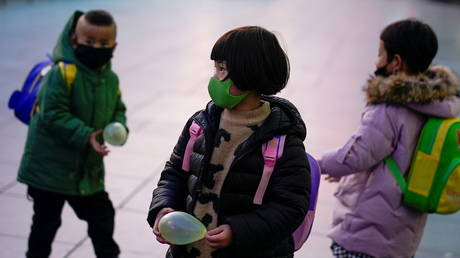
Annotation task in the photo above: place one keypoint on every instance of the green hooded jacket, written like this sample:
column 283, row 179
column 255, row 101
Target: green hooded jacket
column 57, row 155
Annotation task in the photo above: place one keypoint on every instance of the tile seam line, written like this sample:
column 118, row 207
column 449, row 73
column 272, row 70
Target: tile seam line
column 120, row 206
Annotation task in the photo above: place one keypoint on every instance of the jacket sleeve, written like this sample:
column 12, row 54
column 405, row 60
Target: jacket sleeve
column 374, row 140
column 285, row 204
column 54, row 103
column 172, row 188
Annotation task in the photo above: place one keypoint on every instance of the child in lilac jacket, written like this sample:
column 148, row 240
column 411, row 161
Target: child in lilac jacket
column 369, row 219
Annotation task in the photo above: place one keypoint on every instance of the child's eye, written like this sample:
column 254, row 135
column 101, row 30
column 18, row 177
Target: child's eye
column 219, row 69
column 222, row 68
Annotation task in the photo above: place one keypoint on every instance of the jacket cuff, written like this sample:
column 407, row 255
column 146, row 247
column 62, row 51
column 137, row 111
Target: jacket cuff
column 84, row 138
column 237, row 242
column 332, row 163
column 152, row 215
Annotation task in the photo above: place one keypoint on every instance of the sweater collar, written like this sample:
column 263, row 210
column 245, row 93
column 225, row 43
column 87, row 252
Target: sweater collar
column 247, row 118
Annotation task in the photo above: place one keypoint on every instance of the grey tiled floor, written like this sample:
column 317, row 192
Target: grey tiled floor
column 163, row 63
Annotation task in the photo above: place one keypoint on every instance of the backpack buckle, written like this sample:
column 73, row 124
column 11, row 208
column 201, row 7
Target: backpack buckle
column 270, row 157
column 194, row 129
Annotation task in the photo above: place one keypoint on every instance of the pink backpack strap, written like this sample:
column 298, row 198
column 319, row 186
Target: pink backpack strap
column 271, row 152
column 195, row 131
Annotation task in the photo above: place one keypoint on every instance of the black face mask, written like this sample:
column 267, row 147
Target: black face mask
column 382, row 71
column 92, row 57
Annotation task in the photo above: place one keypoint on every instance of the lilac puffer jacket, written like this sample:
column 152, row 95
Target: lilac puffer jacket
column 369, row 216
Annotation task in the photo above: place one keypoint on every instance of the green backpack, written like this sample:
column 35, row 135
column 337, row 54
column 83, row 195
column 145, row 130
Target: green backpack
column 433, row 183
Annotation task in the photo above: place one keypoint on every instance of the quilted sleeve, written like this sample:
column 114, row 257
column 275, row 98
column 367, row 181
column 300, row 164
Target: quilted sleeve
column 171, row 191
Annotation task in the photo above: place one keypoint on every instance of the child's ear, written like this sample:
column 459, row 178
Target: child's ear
column 398, row 63
column 395, row 65
column 73, row 40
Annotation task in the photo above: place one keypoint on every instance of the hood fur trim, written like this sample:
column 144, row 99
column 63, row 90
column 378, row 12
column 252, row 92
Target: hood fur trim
column 437, row 83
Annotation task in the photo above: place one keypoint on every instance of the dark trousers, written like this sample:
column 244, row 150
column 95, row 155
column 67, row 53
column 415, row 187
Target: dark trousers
column 97, row 210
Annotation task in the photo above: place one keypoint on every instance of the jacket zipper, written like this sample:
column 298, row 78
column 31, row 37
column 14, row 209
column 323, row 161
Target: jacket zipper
column 77, row 155
column 93, row 91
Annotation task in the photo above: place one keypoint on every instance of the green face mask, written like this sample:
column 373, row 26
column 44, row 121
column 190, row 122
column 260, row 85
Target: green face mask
column 220, row 93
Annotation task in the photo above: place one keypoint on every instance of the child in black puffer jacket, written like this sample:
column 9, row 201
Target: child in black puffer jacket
column 219, row 183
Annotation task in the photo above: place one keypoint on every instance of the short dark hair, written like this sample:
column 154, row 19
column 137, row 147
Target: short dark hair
column 414, row 41
column 254, row 58
column 99, row 18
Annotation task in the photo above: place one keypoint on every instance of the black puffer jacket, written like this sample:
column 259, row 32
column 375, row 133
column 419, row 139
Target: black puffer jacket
column 258, row 230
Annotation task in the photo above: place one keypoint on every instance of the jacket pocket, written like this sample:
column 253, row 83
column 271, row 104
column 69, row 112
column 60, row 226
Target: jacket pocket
column 343, row 152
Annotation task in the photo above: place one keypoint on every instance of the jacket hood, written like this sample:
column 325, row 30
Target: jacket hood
column 433, row 93
column 285, row 117
column 63, row 51
column 437, row 83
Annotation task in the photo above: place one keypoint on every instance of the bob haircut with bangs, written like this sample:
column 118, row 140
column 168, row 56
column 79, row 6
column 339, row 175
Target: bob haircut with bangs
column 254, row 58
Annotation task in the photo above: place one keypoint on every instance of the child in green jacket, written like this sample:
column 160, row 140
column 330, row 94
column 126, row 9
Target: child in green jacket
column 63, row 155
